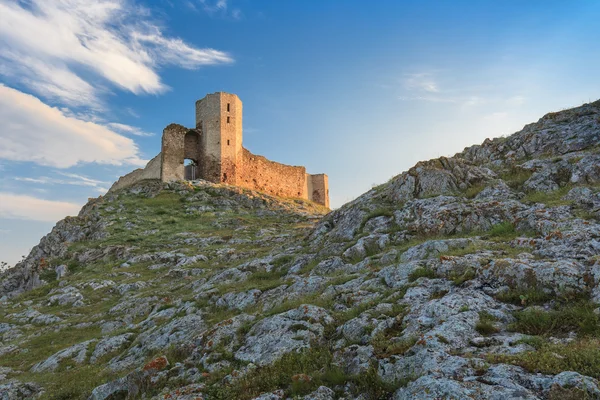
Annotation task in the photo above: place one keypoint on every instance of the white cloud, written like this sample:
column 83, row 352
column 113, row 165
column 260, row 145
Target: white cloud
column 218, row 7
column 222, row 4
column 70, row 39
column 33, row 131
column 236, row 13
column 422, row 81
column 133, row 130
column 74, row 180
column 15, row 206
column 212, row 6
column 465, row 101
column 53, row 81
column 132, row 112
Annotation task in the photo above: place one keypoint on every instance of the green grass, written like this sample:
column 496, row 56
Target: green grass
column 569, row 317
column 516, row 177
column 524, row 296
column 383, row 347
column 353, row 312
column 46, row 344
column 471, row 248
column 286, row 305
column 474, row 190
column 550, row 199
column 298, row 373
column 421, row 272
column 534, row 341
column 379, row 212
column 536, row 295
column 261, row 280
column 281, row 261
column 485, row 325
column 468, row 275
column 503, row 230
column 76, row 383
column 581, row 356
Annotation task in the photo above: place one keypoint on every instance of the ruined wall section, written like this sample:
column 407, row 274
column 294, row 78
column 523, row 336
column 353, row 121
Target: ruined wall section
column 177, row 145
column 151, row 171
column 191, row 146
column 259, row 173
column 318, row 188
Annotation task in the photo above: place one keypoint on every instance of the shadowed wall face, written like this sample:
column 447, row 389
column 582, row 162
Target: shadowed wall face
column 178, row 143
column 319, row 189
column 208, row 116
column 191, row 143
column 173, row 152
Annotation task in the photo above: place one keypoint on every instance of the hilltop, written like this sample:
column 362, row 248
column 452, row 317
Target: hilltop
column 472, row 276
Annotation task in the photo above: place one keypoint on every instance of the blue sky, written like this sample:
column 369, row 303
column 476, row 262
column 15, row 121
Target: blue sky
column 360, row 90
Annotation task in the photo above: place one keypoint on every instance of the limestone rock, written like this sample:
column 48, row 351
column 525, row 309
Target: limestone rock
column 76, row 353
column 290, row 331
column 194, row 290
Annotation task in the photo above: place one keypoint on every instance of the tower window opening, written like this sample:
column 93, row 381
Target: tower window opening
column 227, row 142
column 227, row 119
column 228, row 109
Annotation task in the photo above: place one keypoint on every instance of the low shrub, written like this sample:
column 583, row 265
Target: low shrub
column 421, row 273
column 579, row 317
column 503, row 229
column 524, row 296
column 486, row 326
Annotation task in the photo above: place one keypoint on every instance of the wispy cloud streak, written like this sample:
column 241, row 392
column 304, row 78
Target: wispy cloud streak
column 36, row 132
column 75, row 42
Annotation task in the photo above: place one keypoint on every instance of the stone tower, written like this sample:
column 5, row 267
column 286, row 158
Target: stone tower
column 219, row 119
column 213, row 151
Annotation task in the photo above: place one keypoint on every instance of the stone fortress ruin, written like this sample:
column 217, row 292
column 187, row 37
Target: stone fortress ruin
column 213, row 151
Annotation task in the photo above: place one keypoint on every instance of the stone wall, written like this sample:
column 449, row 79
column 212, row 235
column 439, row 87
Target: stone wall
column 271, row 177
column 318, row 189
column 216, row 147
column 177, row 145
column 151, row 171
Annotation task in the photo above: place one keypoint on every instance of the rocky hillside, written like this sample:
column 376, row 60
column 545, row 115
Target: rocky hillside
column 470, row 277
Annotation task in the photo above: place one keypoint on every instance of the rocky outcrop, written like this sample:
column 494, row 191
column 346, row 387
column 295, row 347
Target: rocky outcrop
column 26, row 274
column 475, row 276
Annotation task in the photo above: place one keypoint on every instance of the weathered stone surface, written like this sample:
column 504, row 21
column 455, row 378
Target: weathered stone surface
column 61, row 271
column 76, row 353
column 177, row 331
column 354, row 359
column 109, row 345
column 290, row 331
column 16, row 390
column 67, row 296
